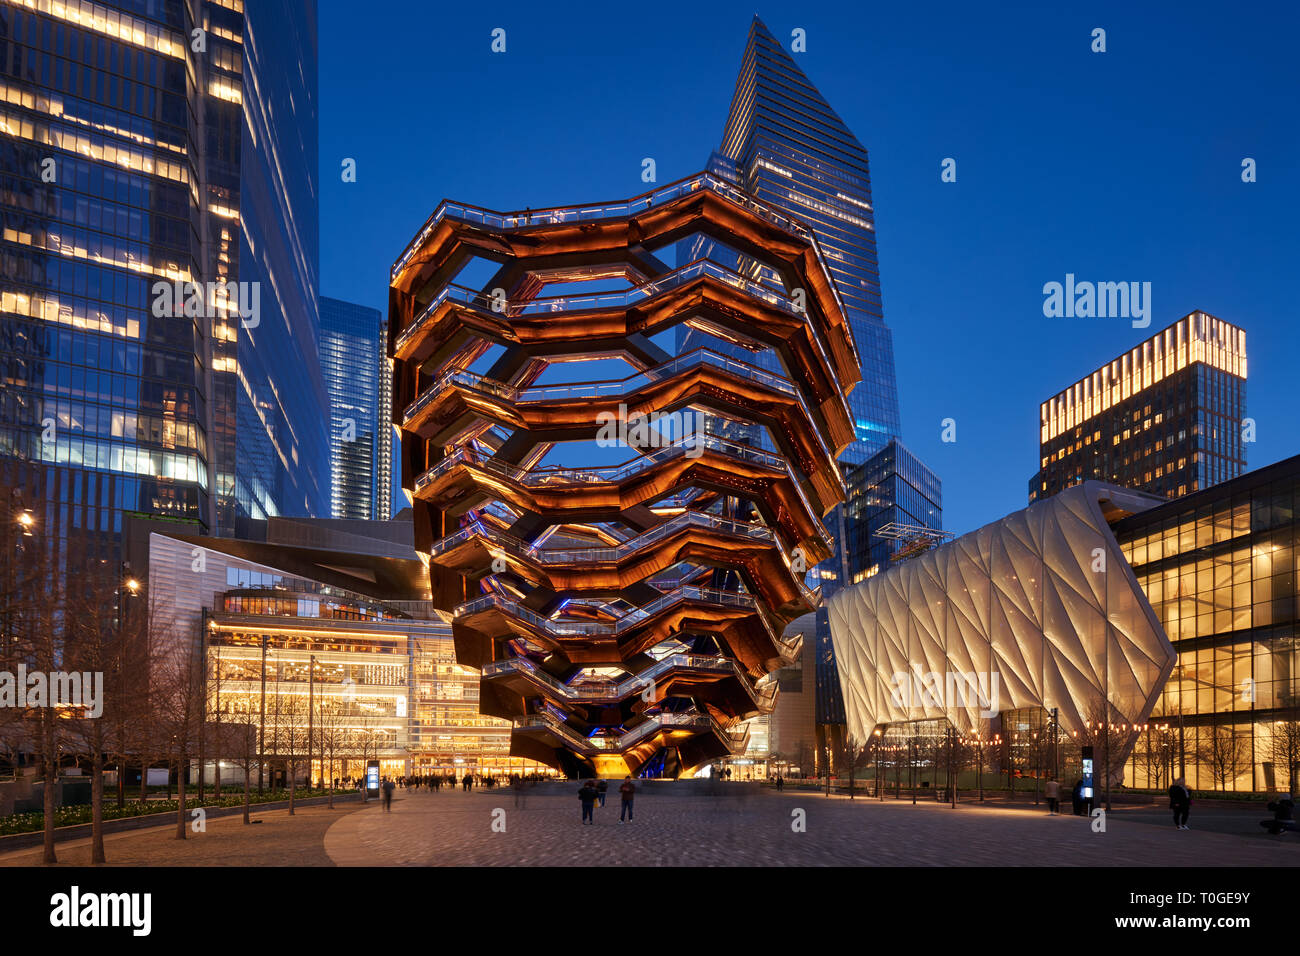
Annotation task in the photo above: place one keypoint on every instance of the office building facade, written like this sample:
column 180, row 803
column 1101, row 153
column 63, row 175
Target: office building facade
column 358, row 379
column 336, row 616
column 144, row 160
column 1221, row 571
column 1167, row 417
column 1174, row 622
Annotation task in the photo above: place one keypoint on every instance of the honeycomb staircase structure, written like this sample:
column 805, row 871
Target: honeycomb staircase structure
column 618, row 611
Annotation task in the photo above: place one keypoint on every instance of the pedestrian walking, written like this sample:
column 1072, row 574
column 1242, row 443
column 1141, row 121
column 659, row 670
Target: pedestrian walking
column 626, row 793
column 388, row 795
column 1053, row 791
column 1180, row 802
column 587, row 794
column 518, row 785
column 601, row 787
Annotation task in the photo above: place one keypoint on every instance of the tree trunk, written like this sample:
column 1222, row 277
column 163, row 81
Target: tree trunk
column 216, row 759
column 202, row 761
column 51, row 783
column 97, row 798
column 180, row 799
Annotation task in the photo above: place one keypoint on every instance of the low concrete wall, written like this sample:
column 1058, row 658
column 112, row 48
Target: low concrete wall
column 21, row 841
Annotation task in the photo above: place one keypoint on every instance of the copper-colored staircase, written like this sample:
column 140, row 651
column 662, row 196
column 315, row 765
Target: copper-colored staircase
column 619, row 610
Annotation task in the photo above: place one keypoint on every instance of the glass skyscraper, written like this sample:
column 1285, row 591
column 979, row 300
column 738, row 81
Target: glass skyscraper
column 784, row 143
column 354, row 360
column 790, row 149
column 1167, row 417
column 150, row 143
column 892, row 487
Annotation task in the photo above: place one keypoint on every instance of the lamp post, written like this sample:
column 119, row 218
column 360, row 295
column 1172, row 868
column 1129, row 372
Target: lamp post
column 879, row 788
column 996, row 742
column 911, row 764
column 261, row 732
column 25, row 524
column 1038, row 767
column 1056, row 744
column 952, row 765
column 311, row 713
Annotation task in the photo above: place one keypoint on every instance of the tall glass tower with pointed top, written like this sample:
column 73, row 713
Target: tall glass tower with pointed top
column 789, row 148
column 785, row 144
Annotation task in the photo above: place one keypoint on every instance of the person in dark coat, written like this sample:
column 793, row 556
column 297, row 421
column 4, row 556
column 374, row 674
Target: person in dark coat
column 1180, row 802
column 601, row 786
column 626, row 793
column 1077, row 802
column 587, row 794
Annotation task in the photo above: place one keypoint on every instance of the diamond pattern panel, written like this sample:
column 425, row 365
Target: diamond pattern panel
column 1040, row 606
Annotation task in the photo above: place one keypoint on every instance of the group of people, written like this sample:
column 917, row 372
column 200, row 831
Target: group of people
column 1180, row 800
column 436, row 781
column 592, row 794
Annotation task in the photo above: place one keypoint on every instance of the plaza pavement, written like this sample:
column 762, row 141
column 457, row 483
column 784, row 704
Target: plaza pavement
column 456, row 829
column 735, row 828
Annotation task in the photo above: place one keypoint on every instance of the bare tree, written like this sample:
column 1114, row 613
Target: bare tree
column 180, row 697
column 333, row 737
column 98, row 647
column 241, row 734
column 1224, row 752
column 1285, row 746
column 851, row 756
column 290, row 734
column 38, row 638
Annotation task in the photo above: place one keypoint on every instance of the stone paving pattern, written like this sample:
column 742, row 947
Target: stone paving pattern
column 456, row 829
column 749, row 829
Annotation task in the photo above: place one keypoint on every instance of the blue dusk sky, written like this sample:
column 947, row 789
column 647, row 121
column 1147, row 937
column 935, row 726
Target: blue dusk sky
column 1116, row 166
